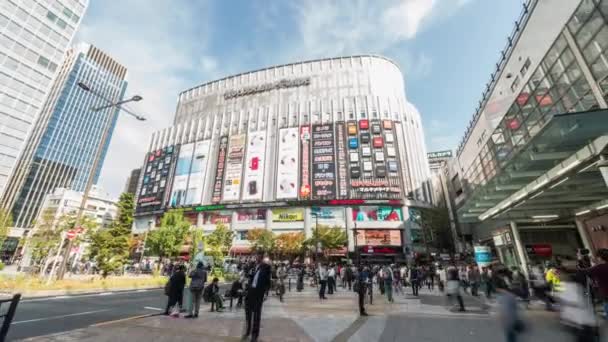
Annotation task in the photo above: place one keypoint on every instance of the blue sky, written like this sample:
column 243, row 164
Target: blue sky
column 447, row 50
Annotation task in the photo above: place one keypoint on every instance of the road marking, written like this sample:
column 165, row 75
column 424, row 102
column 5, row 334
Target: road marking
column 152, row 308
column 82, row 296
column 105, row 293
column 58, row 317
column 143, row 290
column 122, row 320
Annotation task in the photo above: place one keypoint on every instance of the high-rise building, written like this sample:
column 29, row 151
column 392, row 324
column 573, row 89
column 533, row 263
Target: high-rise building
column 62, row 148
column 131, row 183
column 34, row 36
column 527, row 176
column 332, row 142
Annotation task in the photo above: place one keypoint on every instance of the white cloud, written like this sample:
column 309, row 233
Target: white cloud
column 159, row 45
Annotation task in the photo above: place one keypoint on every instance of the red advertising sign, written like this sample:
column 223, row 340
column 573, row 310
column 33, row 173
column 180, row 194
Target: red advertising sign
column 385, row 250
column 71, row 234
column 379, row 237
column 341, row 159
column 540, row 249
column 305, row 162
column 364, row 124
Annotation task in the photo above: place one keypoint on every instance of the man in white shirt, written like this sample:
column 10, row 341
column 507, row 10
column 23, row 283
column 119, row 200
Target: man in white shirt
column 322, row 281
column 331, row 280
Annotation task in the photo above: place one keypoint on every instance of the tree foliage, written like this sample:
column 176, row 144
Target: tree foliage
column 262, row 240
column 111, row 247
column 290, row 244
column 329, row 237
column 6, row 222
column 217, row 244
column 167, row 240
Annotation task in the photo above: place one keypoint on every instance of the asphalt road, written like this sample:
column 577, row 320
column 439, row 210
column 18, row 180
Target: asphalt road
column 37, row 317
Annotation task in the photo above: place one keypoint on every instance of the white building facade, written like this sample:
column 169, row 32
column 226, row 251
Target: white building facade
column 331, row 141
column 34, row 36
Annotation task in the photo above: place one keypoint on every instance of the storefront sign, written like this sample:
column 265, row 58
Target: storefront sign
column 198, row 173
column 483, row 255
column 323, row 162
column 254, row 167
column 219, row 172
column 251, row 215
column 439, row 155
column 288, row 167
column 341, row 160
column 540, row 250
column 234, row 168
column 380, row 250
column 282, row 84
column 287, row 215
column 378, row 237
column 498, row 240
column 215, row 217
column 328, row 213
column 381, row 187
column 305, row 162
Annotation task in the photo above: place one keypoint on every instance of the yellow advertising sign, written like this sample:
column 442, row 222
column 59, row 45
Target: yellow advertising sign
column 287, row 215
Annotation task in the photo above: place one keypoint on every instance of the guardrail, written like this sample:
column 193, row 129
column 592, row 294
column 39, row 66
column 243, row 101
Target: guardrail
column 7, row 318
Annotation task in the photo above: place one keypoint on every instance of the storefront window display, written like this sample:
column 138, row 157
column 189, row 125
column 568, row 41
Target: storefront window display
column 376, row 213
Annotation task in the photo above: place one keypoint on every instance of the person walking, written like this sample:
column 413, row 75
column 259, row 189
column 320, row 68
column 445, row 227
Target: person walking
column 474, row 279
column 508, row 312
column 331, row 280
column 599, row 273
column 259, row 283
column 214, row 296
column 453, row 285
column 322, row 281
column 396, row 279
column 442, row 278
column 175, row 290
column 301, row 274
column 387, row 275
column 348, row 276
column 360, row 287
column 415, row 279
column 199, row 278
column 486, row 280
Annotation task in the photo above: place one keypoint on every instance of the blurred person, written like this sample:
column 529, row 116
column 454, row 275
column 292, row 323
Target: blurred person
column 474, row 279
column 519, row 284
column 486, row 280
column 360, row 287
column 453, row 286
column 442, row 278
column 258, row 283
column 213, row 296
column 397, row 279
column 540, row 286
column 599, row 273
column 387, row 277
column 508, row 312
column 349, row 276
column 175, row 290
column 380, row 280
column 415, row 279
column 197, row 284
column 331, row 279
column 577, row 312
column 301, row 274
column 322, row 272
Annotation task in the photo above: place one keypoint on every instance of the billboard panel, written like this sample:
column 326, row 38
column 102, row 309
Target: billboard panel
column 219, row 171
column 234, row 168
column 323, row 162
column 253, row 178
column 341, row 159
column 305, row 162
column 379, row 237
column 198, row 173
column 288, row 215
column 156, row 178
column 288, row 163
column 182, row 173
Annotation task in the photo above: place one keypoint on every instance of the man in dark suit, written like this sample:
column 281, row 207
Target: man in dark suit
column 259, row 283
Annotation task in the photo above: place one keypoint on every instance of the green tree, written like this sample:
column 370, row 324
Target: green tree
column 111, row 247
column 262, row 240
column 217, row 244
column 290, row 244
column 6, row 222
column 329, row 237
column 168, row 239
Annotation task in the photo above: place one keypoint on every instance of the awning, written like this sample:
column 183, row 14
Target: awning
column 552, row 176
column 241, row 250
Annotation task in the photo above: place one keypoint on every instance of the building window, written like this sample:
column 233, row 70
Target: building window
column 515, row 84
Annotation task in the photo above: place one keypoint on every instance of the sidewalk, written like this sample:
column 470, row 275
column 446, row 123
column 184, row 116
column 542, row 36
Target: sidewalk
column 301, row 317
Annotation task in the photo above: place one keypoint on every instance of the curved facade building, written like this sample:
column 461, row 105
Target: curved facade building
column 294, row 143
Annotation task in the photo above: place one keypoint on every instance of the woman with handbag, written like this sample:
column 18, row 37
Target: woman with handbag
column 175, row 290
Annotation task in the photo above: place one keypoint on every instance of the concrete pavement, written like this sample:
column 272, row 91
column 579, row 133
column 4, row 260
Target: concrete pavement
column 303, row 317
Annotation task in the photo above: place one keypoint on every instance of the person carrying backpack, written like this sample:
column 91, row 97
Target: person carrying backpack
column 199, row 278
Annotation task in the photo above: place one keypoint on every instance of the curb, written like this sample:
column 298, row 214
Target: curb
column 83, row 293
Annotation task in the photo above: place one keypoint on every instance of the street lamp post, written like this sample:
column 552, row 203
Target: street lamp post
column 97, row 160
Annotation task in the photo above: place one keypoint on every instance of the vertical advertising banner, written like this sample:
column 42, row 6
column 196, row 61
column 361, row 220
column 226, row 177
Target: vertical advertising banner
column 156, row 179
column 182, row 172
column 323, row 162
column 305, row 162
column 198, row 173
column 219, row 171
column 253, row 179
column 341, row 159
column 288, row 163
column 234, row 168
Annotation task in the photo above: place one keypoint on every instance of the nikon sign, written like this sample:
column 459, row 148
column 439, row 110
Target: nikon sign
column 297, row 82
